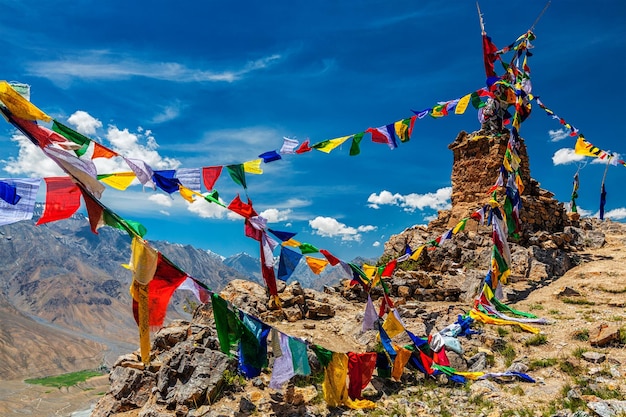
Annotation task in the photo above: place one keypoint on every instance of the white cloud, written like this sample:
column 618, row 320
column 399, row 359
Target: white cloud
column 557, row 135
column 430, row 218
column 104, row 65
column 207, row 210
column 274, row 215
column 169, row 112
column 130, row 145
column 565, row 156
column 439, row 200
column 376, row 244
column 84, row 123
column 330, row 227
column 164, row 212
column 616, row 214
column 161, row 199
column 30, row 160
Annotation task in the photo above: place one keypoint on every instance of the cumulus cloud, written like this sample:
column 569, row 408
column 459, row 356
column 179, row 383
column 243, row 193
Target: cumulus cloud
column 557, row 135
column 30, row 161
column 439, row 200
column 104, row 65
column 84, row 123
column 616, row 214
column 330, row 227
column 565, row 156
column 376, row 244
column 275, row 215
column 208, row 210
column 161, row 199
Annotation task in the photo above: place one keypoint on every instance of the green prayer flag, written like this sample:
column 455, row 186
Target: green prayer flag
column 72, row 135
column 354, row 147
column 238, row 174
column 308, row 248
column 324, row 356
column 226, row 324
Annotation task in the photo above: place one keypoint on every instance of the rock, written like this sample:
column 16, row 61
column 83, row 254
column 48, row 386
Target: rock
column 246, row 406
column 193, row 376
column 309, row 326
column 169, row 336
column 293, row 314
column 604, row 334
column 319, row 310
column 478, row 362
column 608, row 408
column 567, row 292
column 594, row 357
column 518, row 367
column 130, row 389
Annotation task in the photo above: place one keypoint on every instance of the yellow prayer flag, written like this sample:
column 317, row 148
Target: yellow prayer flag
column 585, row 148
column 253, row 167
column 18, row 105
column 415, row 256
column 120, row 180
column 370, row 271
column 479, row 316
column 333, row 143
column 335, row 387
column 392, row 325
column 459, row 226
column 317, row 265
column 143, row 261
column 188, row 194
column 461, row 106
column 292, row 242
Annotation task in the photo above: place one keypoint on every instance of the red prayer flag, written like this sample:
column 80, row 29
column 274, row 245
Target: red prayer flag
column 389, row 268
column 95, row 212
column 304, row 147
column 210, row 176
column 242, row 208
column 62, row 199
column 331, row 259
column 100, row 151
column 160, row 289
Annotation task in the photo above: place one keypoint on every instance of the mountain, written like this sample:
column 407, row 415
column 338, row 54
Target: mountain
column 65, row 299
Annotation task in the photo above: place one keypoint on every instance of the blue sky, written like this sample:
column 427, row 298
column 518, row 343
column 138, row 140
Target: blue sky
column 196, row 84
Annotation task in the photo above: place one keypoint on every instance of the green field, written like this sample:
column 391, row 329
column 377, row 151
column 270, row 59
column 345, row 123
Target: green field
column 64, row 380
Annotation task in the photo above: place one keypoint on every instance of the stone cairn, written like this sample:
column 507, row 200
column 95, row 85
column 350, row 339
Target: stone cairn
column 546, row 247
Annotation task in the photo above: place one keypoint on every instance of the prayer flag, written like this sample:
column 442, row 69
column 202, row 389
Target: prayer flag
column 270, row 156
column 62, row 199
column 237, row 174
column 360, row 369
column 20, row 106
column 333, row 261
column 317, row 265
column 329, row 145
column 190, row 178
column 304, row 147
column 355, row 145
column 143, row 261
column 119, row 180
column 165, row 180
column 404, row 128
column 210, row 176
column 242, row 208
column 602, row 201
column 27, row 189
column 307, row 248
column 384, row 134
column 289, row 146
column 288, row 262
column 253, row 167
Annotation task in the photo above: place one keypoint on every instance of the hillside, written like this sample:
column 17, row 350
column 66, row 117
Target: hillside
column 64, row 294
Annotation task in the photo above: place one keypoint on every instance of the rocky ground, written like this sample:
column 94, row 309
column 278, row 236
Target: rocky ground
column 573, row 377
